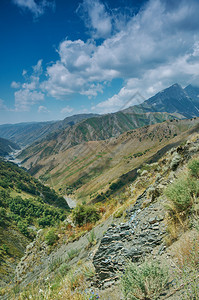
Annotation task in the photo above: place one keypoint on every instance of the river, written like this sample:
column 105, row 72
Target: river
column 71, row 202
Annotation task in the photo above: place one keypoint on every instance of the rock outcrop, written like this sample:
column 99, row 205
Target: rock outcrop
column 138, row 236
column 144, row 231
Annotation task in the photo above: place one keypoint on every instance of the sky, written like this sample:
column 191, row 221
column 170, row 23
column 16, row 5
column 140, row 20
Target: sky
column 59, row 57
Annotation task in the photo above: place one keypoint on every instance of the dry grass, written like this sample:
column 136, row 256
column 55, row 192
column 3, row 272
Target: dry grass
column 187, row 250
column 186, row 261
column 73, row 286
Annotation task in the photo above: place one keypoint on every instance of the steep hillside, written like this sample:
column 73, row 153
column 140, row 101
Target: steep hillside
column 193, row 93
column 88, row 169
column 93, row 129
column 27, row 133
column 147, row 237
column 6, row 147
column 25, row 206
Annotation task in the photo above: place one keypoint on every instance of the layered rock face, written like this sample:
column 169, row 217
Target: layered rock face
column 133, row 239
column 144, row 231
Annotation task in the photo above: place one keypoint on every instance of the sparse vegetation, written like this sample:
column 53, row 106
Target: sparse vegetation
column 72, row 253
column 183, row 200
column 146, row 281
column 187, row 259
column 194, row 168
column 91, row 238
column 83, row 214
column 51, row 237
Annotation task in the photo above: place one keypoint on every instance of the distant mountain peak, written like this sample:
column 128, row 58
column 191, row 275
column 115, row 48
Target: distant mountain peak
column 193, row 92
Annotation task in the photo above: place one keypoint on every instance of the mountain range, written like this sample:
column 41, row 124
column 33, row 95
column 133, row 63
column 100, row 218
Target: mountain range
column 27, row 133
column 173, row 102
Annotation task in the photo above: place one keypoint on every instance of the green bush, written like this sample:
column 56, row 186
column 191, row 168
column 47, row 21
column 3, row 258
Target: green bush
column 182, row 192
column 51, row 237
column 146, row 281
column 194, row 168
column 23, row 227
column 83, row 214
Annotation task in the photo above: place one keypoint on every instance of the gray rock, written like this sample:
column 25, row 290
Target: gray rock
column 175, row 161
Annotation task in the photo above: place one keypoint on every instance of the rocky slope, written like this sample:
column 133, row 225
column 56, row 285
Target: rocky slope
column 139, row 231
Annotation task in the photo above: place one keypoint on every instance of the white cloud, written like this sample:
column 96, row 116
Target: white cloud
column 24, row 73
column 25, row 98
column 29, row 92
column 2, row 105
column 15, row 85
column 152, row 81
column 37, row 8
column 66, row 110
column 150, row 50
column 151, row 41
column 42, row 109
column 96, row 18
column 38, row 67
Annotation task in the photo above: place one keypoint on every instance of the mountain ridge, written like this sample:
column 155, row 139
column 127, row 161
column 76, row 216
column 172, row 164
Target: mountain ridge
column 27, row 133
column 171, row 103
column 7, row 147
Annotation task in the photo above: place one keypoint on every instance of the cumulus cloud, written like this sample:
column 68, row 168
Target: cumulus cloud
column 66, row 110
column 42, row 109
column 15, row 85
column 156, row 47
column 150, row 44
column 29, row 92
column 96, row 18
column 36, row 8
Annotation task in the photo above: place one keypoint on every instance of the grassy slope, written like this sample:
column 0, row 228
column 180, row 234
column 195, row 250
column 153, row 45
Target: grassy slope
column 24, row 203
column 89, row 168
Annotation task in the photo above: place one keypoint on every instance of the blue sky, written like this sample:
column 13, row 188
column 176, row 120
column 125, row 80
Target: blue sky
column 60, row 57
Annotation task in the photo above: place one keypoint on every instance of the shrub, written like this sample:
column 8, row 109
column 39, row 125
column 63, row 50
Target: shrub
column 194, row 168
column 23, row 227
column 146, row 281
column 46, row 221
column 72, row 253
column 63, row 270
column 91, row 238
column 85, row 214
column 51, row 237
column 182, row 192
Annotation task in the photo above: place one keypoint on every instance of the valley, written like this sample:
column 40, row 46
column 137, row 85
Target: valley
column 89, row 169
column 99, row 150
column 92, row 192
